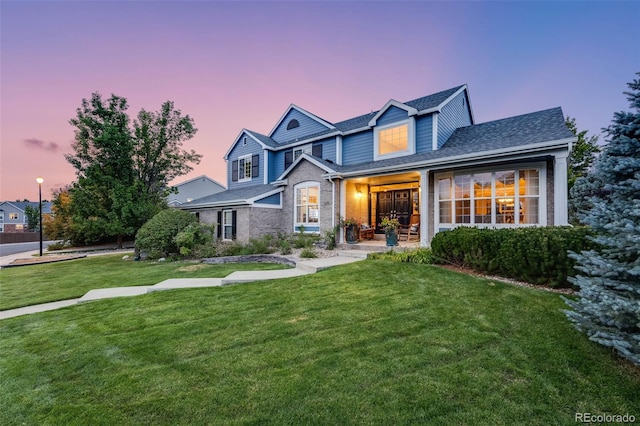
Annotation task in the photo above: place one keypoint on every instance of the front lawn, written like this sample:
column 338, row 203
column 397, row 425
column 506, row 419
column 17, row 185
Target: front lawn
column 374, row 342
column 30, row 285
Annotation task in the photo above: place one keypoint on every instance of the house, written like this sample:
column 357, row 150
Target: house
column 13, row 217
column 425, row 158
column 193, row 188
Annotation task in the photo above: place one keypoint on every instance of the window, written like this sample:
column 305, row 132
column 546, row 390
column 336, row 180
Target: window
column 227, row 224
column 307, row 203
column 244, row 141
column 293, row 124
column 500, row 197
column 14, row 216
column 244, row 168
column 297, row 152
column 394, row 140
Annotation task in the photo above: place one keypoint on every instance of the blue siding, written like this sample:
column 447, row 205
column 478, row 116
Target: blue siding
column 453, row 115
column 276, row 165
column 390, row 115
column 271, row 199
column 357, row 148
column 307, row 127
column 241, row 150
column 424, row 133
column 328, row 148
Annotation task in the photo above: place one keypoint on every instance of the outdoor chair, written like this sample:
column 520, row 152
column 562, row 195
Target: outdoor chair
column 412, row 229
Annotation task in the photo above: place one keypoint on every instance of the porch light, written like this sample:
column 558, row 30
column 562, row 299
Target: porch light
column 359, row 194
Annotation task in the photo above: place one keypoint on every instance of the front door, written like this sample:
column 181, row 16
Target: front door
column 394, row 202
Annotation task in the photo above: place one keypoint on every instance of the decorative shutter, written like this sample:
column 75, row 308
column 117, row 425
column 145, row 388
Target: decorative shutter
column 288, row 159
column 219, row 225
column 234, row 171
column 255, row 166
column 316, row 150
column 233, row 224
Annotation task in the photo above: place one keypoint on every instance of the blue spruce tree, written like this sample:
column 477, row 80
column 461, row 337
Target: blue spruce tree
column 608, row 308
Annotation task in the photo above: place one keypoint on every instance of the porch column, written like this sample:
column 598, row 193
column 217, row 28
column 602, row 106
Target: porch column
column 424, row 204
column 342, row 207
column 560, row 190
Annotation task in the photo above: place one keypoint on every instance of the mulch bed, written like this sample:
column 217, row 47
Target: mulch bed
column 44, row 259
column 469, row 271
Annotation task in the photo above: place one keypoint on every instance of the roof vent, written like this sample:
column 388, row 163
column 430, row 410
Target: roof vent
column 293, row 124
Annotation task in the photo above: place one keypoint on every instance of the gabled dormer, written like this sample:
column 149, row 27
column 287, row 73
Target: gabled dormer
column 296, row 124
column 246, row 160
column 394, row 133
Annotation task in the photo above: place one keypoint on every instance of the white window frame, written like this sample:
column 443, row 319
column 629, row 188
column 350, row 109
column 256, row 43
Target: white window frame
column 226, row 225
column 542, row 196
column 305, row 185
column 411, row 139
column 242, row 170
column 304, row 149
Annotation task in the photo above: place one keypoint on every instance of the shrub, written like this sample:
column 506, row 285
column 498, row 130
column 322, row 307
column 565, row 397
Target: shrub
column 420, row 256
column 535, row 255
column 308, row 252
column 194, row 237
column 157, row 236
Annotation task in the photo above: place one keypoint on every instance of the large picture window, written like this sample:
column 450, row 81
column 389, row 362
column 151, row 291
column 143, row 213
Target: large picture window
column 501, row 197
column 307, row 204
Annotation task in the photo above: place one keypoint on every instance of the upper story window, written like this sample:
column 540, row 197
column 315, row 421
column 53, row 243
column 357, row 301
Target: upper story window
column 14, row 216
column 297, row 152
column 293, row 124
column 244, row 168
column 394, row 140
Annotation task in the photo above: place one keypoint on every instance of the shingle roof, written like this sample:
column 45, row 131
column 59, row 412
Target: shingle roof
column 232, row 195
column 432, row 101
column 522, row 130
column 262, row 138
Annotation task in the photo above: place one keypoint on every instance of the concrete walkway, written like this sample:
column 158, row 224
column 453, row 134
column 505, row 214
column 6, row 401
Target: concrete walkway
column 303, row 267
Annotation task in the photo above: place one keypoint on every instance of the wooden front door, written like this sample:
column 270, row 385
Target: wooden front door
column 398, row 202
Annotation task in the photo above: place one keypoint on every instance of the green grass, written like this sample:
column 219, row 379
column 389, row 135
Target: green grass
column 374, row 342
column 30, row 285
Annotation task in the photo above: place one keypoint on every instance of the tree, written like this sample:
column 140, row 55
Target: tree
column 33, row 218
column 583, row 154
column 123, row 173
column 609, row 297
column 59, row 224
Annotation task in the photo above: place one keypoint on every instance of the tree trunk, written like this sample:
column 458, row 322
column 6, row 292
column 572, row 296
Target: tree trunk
column 119, row 241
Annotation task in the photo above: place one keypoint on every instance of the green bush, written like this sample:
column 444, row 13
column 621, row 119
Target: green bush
column 420, row 256
column 308, row 252
column 196, row 237
column 535, row 255
column 157, row 236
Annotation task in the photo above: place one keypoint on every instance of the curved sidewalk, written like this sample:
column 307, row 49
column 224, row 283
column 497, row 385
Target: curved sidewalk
column 303, row 267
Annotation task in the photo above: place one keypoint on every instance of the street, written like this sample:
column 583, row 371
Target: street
column 8, row 249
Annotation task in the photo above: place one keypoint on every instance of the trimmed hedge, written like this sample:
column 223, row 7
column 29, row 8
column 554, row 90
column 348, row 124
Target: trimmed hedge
column 534, row 255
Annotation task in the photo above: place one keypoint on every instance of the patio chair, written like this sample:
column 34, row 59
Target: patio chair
column 412, row 229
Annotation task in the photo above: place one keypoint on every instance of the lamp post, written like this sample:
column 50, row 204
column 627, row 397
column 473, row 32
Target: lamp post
column 40, row 180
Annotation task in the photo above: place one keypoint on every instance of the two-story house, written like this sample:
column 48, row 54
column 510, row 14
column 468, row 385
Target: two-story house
column 13, row 216
column 425, row 158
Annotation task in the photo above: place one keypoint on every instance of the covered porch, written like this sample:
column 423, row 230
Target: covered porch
column 403, row 196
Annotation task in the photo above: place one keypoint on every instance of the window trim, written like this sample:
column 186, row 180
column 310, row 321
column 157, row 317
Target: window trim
column 411, row 139
column 542, row 195
column 244, row 168
column 296, row 224
column 224, row 224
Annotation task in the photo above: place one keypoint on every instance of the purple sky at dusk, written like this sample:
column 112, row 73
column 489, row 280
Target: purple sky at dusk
column 234, row 65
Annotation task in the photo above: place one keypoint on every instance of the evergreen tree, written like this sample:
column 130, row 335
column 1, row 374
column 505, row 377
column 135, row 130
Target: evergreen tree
column 583, row 154
column 608, row 308
column 33, row 218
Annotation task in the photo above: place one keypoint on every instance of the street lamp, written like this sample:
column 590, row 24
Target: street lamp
column 40, row 180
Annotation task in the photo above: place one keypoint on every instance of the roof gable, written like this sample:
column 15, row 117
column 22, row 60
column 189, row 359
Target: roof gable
column 411, row 111
column 248, row 134
column 322, row 164
column 297, row 123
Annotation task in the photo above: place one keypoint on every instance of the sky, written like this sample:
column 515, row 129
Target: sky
column 235, row 65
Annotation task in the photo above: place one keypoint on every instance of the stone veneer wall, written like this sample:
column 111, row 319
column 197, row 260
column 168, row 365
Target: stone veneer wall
column 304, row 172
column 550, row 192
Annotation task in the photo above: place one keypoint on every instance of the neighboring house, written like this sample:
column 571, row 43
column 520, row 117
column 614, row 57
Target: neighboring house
column 192, row 189
column 423, row 157
column 13, row 217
